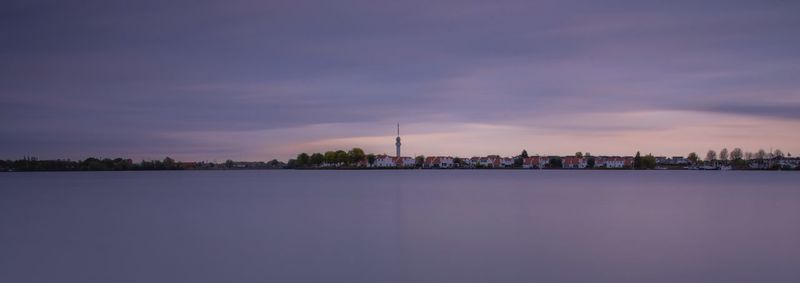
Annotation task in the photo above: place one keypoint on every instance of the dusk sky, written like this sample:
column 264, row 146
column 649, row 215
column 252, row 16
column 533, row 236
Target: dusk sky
column 256, row 80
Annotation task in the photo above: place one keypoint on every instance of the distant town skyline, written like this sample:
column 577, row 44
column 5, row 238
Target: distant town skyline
column 257, row 80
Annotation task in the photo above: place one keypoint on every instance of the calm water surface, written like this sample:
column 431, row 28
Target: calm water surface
column 400, row 226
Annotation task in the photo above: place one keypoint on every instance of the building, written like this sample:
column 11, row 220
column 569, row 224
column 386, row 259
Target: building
column 383, row 161
column 627, row 161
column 679, row 160
column 397, row 142
column 534, row 162
column 405, row 161
column 610, row 162
column 790, row 162
column 506, row 162
column 486, row 162
column 573, row 162
column 470, row 162
column 438, row 162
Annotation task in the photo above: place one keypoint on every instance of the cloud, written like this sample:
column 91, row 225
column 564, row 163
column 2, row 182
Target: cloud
column 181, row 76
column 785, row 111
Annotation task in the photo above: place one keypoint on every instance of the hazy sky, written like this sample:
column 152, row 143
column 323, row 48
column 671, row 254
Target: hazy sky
column 256, row 80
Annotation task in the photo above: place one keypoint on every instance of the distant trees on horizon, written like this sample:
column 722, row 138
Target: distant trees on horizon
column 340, row 157
column 356, row 157
column 125, row 164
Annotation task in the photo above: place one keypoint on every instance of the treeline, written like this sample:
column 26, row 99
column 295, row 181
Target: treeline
column 126, row 164
column 739, row 159
column 737, row 154
column 88, row 164
column 340, row 158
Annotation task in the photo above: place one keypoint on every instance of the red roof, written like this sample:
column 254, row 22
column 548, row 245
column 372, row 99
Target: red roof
column 572, row 160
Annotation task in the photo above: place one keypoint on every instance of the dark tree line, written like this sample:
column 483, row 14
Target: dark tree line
column 340, row 158
column 88, row 164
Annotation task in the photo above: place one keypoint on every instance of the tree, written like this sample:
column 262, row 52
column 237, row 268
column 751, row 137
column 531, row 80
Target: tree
column 90, row 164
column 736, row 153
column 777, row 153
column 419, row 160
column 317, row 159
column 648, row 162
column 342, row 157
column 586, row 154
column 371, row 159
column 693, row 157
column 555, row 162
column 723, row 154
column 274, row 163
column 356, row 155
column 590, row 162
column 330, row 157
column 302, row 160
column 291, row 163
column 637, row 161
column 579, row 154
column 459, row 162
column 711, row 155
column 761, row 154
column 749, row 155
column 518, row 161
column 168, row 163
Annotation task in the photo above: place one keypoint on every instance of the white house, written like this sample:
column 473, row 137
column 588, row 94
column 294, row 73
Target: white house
column 679, row 160
column 611, row 162
column 506, row 162
column 384, row 161
column 470, row 162
column 438, row 162
column 534, row 162
column 573, row 162
column 405, row 161
column 486, row 162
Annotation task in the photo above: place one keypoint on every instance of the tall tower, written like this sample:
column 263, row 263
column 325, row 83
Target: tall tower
column 397, row 144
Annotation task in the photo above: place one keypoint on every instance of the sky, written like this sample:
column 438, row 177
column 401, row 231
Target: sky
column 257, row 80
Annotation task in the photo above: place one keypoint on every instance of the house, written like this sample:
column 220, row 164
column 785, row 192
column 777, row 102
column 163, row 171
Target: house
column 486, row 162
column 383, row 161
column 758, row 164
column 506, row 162
column 495, row 161
column 468, row 162
column 438, row 162
column 405, row 161
column 600, row 161
column 491, row 161
column 534, row 162
column 430, row 161
column 473, row 162
column 187, row 165
column 627, row 161
column 791, row 162
column 610, row 162
column 573, row 162
column 680, row 160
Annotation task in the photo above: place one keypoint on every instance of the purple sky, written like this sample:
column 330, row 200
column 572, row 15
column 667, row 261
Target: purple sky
column 255, row 80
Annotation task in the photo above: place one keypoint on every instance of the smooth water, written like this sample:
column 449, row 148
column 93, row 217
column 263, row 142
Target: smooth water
column 400, row 226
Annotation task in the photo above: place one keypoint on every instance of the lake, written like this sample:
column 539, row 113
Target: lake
column 400, row 226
